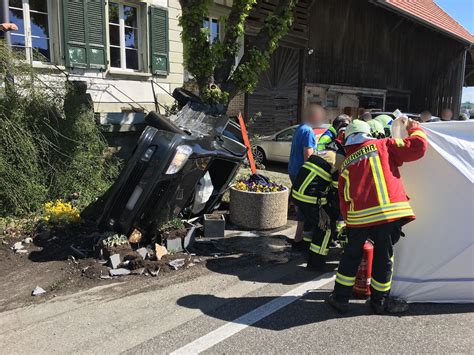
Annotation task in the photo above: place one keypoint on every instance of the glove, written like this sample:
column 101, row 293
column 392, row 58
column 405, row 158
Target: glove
column 324, row 219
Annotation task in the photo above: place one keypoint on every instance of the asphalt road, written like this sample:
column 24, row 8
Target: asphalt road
column 233, row 305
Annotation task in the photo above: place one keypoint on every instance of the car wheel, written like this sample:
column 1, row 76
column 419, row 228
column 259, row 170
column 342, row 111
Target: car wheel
column 259, row 155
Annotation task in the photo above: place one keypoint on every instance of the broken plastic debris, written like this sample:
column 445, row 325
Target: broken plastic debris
column 135, row 237
column 176, row 264
column 38, row 291
column 115, row 261
column 160, row 251
column 143, row 252
column 28, row 240
column 17, row 246
column 119, row 272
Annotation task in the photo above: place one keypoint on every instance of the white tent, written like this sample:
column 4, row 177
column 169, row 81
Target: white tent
column 435, row 262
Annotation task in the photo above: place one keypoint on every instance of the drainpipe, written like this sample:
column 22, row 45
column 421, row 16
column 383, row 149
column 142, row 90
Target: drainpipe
column 5, row 18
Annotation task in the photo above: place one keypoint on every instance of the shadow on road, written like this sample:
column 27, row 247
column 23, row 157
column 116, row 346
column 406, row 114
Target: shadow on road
column 306, row 310
column 264, row 259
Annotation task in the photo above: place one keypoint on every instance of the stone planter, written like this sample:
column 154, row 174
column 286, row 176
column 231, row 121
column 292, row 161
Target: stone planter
column 258, row 210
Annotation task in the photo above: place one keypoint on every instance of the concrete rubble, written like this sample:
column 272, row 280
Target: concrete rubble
column 119, row 272
column 115, row 260
column 143, row 252
column 160, row 251
column 177, row 263
column 38, row 291
column 17, row 246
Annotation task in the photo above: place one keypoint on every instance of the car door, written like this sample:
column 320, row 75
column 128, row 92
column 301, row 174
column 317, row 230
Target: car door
column 281, row 146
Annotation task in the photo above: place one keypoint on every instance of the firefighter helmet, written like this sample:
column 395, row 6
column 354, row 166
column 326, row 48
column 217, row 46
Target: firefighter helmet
column 357, row 126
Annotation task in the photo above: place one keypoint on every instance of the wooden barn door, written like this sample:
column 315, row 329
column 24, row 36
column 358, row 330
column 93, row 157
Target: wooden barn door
column 276, row 96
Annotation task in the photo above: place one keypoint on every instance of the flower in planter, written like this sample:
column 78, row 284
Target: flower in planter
column 258, row 184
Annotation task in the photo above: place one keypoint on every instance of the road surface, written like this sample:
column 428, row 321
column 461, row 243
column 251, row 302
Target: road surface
column 232, row 305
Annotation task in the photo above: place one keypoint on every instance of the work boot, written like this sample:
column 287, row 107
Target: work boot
column 340, row 307
column 300, row 246
column 396, row 305
column 378, row 306
column 316, row 263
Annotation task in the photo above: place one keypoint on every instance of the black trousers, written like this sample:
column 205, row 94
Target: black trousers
column 318, row 246
column 384, row 237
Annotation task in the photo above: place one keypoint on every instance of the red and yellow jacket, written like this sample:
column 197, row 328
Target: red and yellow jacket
column 371, row 190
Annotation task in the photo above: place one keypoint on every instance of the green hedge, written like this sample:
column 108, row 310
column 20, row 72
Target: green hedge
column 50, row 145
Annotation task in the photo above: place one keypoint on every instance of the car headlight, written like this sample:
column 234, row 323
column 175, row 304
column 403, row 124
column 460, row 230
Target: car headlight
column 180, row 158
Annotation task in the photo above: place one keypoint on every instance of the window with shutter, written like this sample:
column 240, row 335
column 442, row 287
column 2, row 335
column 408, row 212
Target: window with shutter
column 159, row 41
column 84, row 33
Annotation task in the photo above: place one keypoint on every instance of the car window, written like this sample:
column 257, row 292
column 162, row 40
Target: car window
column 286, row 135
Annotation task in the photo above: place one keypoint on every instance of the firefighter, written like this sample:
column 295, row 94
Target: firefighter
column 315, row 193
column 333, row 131
column 376, row 129
column 386, row 122
column 374, row 205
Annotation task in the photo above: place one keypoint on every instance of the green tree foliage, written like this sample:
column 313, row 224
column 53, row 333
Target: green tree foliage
column 50, row 145
column 214, row 63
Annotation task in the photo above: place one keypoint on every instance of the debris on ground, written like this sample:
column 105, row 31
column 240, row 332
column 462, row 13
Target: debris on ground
column 17, row 246
column 115, row 261
column 119, row 272
column 135, row 237
column 28, row 240
column 160, row 251
column 38, row 291
column 143, row 252
column 176, row 263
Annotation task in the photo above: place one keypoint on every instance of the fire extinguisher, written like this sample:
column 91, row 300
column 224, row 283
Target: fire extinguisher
column 364, row 273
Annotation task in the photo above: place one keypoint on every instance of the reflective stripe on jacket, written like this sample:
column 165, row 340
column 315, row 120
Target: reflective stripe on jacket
column 313, row 181
column 327, row 137
column 371, row 191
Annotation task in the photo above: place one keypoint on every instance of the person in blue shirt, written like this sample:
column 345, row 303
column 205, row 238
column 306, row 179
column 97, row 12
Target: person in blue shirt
column 302, row 147
column 304, row 139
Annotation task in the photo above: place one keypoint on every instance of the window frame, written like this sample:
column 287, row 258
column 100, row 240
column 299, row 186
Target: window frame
column 123, row 48
column 28, row 36
column 210, row 19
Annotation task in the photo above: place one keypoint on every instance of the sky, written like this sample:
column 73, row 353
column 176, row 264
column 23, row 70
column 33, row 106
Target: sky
column 463, row 12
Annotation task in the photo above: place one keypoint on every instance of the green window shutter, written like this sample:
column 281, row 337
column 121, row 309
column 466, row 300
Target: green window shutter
column 84, row 33
column 159, row 41
column 96, row 33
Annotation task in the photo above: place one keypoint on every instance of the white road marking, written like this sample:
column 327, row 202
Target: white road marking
column 220, row 334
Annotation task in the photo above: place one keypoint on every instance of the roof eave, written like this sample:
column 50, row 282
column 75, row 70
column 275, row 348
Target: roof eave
column 422, row 21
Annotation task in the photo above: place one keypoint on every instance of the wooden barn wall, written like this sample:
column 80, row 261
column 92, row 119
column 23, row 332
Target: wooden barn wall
column 357, row 43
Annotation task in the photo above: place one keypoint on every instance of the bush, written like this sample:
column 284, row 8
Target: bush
column 50, row 144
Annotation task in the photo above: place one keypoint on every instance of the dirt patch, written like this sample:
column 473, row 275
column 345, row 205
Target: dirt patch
column 50, row 262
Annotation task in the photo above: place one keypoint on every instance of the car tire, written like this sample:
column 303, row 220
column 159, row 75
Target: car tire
column 259, row 155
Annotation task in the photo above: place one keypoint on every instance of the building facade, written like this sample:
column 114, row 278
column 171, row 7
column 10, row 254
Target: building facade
column 129, row 53
column 351, row 54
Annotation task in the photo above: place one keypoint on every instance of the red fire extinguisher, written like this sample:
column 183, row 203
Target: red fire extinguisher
column 364, row 273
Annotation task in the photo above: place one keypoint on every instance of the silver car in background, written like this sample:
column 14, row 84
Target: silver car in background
column 277, row 147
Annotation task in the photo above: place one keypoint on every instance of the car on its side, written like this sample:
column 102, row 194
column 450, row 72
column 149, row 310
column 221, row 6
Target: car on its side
column 277, row 147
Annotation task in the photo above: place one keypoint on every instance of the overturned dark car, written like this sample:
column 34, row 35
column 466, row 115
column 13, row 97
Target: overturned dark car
column 180, row 167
